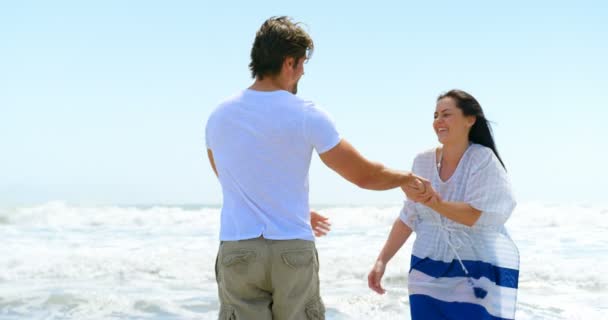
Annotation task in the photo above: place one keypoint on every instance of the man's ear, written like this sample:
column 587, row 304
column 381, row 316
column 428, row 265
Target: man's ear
column 289, row 62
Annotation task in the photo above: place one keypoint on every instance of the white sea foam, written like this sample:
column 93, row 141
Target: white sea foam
column 67, row 262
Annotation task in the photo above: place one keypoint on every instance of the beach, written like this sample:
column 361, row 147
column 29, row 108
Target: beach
column 61, row 261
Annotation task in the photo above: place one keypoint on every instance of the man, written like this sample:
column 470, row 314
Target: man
column 260, row 144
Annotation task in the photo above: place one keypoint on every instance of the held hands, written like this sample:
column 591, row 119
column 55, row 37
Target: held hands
column 420, row 190
column 434, row 201
column 375, row 277
column 320, row 224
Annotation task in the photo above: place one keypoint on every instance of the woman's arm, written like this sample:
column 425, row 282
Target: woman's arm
column 397, row 237
column 488, row 199
column 460, row 212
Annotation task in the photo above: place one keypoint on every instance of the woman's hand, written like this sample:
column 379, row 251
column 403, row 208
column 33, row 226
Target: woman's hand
column 320, row 224
column 418, row 189
column 375, row 277
column 434, row 201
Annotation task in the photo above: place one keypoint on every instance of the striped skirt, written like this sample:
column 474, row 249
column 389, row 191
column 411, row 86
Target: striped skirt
column 463, row 289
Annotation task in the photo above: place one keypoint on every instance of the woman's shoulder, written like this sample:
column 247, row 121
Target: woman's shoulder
column 481, row 156
column 426, row 155
column 423, row 161
column 480, row 152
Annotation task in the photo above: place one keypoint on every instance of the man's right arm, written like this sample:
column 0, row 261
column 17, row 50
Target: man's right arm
column 352, row 166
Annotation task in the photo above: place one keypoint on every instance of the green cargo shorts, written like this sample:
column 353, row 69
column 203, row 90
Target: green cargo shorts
column 262, row 279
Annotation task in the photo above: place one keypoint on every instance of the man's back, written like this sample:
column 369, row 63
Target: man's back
column 262, row 144
column 259, row 144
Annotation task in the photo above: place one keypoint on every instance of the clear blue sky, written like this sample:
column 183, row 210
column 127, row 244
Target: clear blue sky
column 105, row 102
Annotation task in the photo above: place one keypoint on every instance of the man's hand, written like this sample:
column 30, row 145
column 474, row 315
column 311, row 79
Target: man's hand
column 418, row 189
column 320, row 224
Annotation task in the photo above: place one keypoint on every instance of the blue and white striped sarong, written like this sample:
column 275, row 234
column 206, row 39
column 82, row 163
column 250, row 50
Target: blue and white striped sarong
column 440, row 290
column 457, row 272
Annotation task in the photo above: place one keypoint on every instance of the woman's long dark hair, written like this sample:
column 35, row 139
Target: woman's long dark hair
column 481, row 132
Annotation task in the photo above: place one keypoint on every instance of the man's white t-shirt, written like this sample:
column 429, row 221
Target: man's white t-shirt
column 262, row 144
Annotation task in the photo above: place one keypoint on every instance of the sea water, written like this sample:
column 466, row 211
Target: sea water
column 59, row 261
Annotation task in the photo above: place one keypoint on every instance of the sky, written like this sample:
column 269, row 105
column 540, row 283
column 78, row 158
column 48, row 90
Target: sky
column 105, row 102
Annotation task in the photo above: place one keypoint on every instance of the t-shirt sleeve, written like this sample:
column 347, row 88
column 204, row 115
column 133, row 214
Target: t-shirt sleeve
column 209, row 130
column 207, row 143
column 320, row 130
column 409, row 212
column 489, row 190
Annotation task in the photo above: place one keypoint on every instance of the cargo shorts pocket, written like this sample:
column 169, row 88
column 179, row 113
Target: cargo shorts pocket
column 315, row 310
column 238, row 261
column 299, row 258
column 227, row 313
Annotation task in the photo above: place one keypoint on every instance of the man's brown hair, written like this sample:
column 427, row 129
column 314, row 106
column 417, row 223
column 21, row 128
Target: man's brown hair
column 278, row 39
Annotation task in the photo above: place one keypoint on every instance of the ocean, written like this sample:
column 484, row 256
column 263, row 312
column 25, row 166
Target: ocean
column 59, row 261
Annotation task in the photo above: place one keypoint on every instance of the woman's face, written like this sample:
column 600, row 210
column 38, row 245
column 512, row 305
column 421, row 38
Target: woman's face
column 450, row 124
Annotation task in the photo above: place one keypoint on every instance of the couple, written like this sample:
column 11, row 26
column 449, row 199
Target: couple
column 260, row 143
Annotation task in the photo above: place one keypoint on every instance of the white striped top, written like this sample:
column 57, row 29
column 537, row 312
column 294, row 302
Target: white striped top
column 479, row 180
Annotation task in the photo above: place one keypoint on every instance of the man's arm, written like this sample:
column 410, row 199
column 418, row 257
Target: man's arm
column 211, row 161
column 352, row 166
column 320, row 224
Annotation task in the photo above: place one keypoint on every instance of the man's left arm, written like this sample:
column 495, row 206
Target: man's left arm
column 211, row 161
column 320, row 224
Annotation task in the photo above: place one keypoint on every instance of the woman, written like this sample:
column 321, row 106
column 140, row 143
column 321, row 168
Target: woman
column 464, row 265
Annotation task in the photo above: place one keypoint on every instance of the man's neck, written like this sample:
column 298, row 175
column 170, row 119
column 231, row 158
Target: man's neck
column 267, row 84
